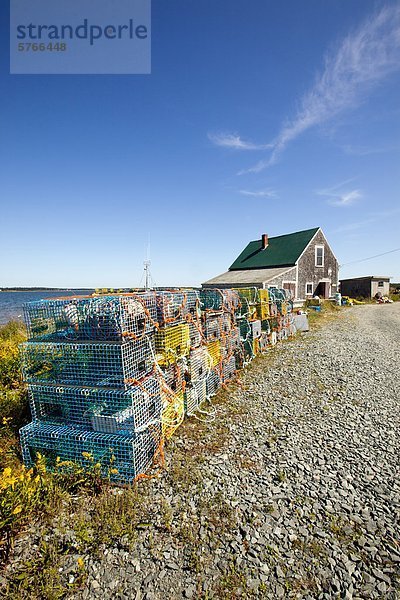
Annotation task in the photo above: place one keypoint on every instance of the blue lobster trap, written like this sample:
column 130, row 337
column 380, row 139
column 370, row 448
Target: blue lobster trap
column 113, row 364
column 213, row 382
column 121, row 458
column 175, row 306
column 214, row 299
column 195, row 395
column 98, row 318
column 100, row 409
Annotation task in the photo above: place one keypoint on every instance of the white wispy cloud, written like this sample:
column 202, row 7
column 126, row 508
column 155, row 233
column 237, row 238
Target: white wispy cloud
column 367, row 150
column 234, row 141
column 370, row 219
column 337, row 196
column 334, row 188
column 259, row 193
column 359, row 63
column 350, row 227
column 347, row 198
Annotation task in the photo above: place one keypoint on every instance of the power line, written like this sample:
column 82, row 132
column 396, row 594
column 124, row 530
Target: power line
column 370, row 257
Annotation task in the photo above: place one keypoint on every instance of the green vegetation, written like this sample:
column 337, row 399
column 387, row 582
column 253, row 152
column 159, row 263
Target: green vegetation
column 232, row 583
column 42, row 289
column 13, row 398
column 81, row 503
column 76, row 513
column 329, row 311
column 11, row 335
column 23, row 491
column 13, row 414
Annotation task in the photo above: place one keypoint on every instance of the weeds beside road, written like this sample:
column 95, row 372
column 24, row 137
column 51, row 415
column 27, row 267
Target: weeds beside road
column 292, row 491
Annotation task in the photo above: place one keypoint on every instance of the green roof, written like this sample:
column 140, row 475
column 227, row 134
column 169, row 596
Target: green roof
column 282, row 251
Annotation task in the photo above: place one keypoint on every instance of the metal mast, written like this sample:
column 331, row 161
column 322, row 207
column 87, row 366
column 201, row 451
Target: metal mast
column 147, row 275
column 148, row 280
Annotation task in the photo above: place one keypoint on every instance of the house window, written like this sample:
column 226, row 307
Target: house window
column 309, row 289
column 290, row 286
column 319, row 256
column 380, row 283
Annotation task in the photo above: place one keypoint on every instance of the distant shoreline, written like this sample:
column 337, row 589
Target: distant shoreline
column 38, row 289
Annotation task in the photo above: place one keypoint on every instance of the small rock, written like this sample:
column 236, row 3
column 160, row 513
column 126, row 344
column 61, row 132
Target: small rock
column 189, row 591
column 379, row 575
column 279, row 572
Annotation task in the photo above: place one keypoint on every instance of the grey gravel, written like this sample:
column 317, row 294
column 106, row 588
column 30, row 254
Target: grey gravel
column 311, row 471
column 308, row 476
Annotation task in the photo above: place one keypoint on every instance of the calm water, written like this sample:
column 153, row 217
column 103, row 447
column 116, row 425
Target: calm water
column 11, row 302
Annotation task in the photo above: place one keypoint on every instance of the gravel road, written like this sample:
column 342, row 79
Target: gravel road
column 294, row 492
column 291, row 492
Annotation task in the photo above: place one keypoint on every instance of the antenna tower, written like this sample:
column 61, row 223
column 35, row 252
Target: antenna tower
column 149, row 282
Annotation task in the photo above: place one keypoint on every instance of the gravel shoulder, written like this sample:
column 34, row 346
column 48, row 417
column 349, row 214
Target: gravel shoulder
column 292, row 491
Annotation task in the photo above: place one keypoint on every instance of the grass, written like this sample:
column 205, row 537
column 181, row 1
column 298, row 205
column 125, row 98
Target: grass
column 109, row 518
column 14, row 482
column 25, row 493
column 329, row 311
column 14, row 411
column 232, row 583
column 97, row 515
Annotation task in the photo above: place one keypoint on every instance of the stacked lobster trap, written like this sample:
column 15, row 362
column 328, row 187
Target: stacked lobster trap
column 93, row 392
column 111, row 376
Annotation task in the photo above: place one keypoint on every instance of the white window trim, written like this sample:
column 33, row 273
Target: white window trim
column 323, row 255
column 312, row 288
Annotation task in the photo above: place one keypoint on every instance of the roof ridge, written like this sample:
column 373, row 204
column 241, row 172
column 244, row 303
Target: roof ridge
column 281, row 250
column 274, row 237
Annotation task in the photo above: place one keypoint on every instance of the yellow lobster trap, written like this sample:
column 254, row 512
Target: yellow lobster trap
column 173, row 413
column 214, row 351
column 172, row 343
column 256, row 347
column 249, row 298
column 263, row 310
column 250, row 294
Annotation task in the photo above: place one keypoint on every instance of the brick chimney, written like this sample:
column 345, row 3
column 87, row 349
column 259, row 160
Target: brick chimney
column 264, row 240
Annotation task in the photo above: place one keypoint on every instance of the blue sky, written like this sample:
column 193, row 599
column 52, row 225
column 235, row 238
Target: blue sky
column 258, row 116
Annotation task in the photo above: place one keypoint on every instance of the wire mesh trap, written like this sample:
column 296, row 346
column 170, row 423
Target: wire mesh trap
column 195, row 395
column 172, row 343
column 121, row 458
column 175, row 306
column 113, row 364
column 228, row 369
column 213, row 382
column 100, row 409
column 104, row 318
column 199, row 363
column 111, row 376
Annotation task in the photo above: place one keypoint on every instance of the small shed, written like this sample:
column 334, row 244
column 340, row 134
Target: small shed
column 365, row 287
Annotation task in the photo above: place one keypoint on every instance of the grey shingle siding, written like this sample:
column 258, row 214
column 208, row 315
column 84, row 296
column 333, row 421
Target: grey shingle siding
column 309, row 273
